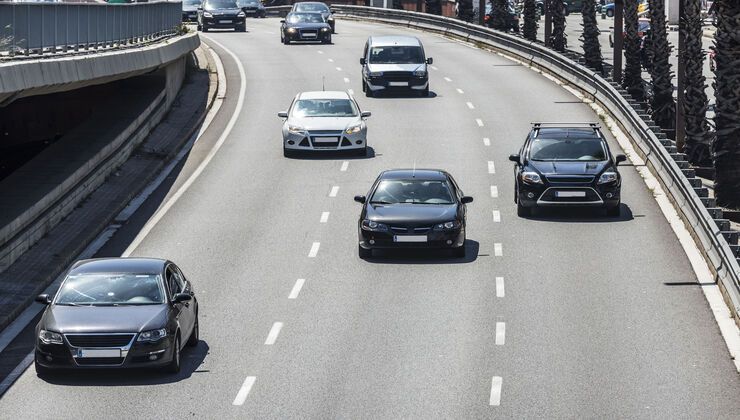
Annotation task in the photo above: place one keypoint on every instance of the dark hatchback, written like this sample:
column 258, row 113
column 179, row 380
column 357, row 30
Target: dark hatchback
column 190, row 10
column 566, row 165
column 305, row 26
column 117, row 313
column 252, row 8
column 221, row 14
column 413, row 208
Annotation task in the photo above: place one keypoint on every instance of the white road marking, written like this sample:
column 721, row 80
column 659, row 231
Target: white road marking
column 479, row 122
column 496, row 216
column 314, row 250
column 276, row 327
column 320, row 52
column 500, row 333
column 498, row 249
column 296, row 288
column 486, row 141
column 346, row 80
column 494, row 191
column 324, row 217
column 345, row 165
column 496, row 383
column 460, row 91
column 500, row 292
column 447, row 79
column 241, row 396
column 339, row 69
column 491, row 167
column 351, row 92
column 331, row 60
column 434, row 68
column 334, row 191
column 470, row 105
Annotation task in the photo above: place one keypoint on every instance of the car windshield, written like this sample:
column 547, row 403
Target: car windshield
column 311, row 7
column 221, row 4
column 412, row 191
column 305, row 18
column 549, row 149
column 111, row 289
column 324, row 108
column 191, row 2
column 248, row 3
column 396, row 55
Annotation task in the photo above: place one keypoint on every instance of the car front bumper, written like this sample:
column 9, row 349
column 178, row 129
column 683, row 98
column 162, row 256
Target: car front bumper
column 325, row 140
column 377, row 84
column 63, row 356
column 308, row 35
column 443, row 239
column 539, row 195
column 224, row 22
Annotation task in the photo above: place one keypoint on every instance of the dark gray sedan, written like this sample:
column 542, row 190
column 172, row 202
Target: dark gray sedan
column 117, row 313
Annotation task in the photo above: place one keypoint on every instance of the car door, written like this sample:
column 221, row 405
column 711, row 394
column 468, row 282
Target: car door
column 182, row 312
column 462, row 208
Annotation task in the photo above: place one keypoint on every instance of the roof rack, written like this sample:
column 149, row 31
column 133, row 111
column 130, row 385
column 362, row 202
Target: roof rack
column 569, row 124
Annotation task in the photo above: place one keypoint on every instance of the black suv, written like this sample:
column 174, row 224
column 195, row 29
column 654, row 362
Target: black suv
column 566, row 164
column 221, row 14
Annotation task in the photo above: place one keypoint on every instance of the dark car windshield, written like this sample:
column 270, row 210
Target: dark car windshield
column 586, row 149
column 412, row 191
column 305, row 18
column 221, row 4
column 324, row 108
column 396, row 55
column 311, row 7
column 191, row 2
column 248, row 3
column 109, row 289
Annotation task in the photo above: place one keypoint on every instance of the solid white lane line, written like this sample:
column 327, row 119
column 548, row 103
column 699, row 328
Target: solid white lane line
column 434, row 68
column 339, row 69
column 447, row 79
column 470, row 105
column 351, row 92
column 491, row 167
column 500, row 333
column 324, row 217
column 496, row 216
column 314, row 250
column 496, row 383
column 498, row 249
column 345, row 165
column 460, row 91
column 346, row 80
column 296, row 288
column 494, row 191
column 487, row 141
column 334, row 191
column 276, row 327
column 241, row 396
column 479, row 122
column 500, row 292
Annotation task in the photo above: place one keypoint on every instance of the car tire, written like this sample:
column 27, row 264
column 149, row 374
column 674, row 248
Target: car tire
column 199, row 27
column 174, row 365
column 195, row 334
column 241, row 28
column 286, row 41
column 610, row 13
column 326, row 41
column 368, row 92
column 41, row 370
column 614, row 211
column 364, row 253
column 459, row 252
column 205, row 28
column 522, row 211
column 287, row 153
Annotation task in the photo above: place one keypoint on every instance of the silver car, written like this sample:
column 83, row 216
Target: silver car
column 318, row 121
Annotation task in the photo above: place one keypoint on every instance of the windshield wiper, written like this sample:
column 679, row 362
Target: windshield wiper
column 380, row 202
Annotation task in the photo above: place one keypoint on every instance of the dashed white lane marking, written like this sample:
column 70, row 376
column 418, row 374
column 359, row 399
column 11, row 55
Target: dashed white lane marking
column 498, row 249
column 434, row 68
column 345, row 165
column 320, row 52
column 500, row 333
column 486, row 141
column 470, row 105
column 351, row 92
column 334, row 191
column 460, row 91
column 324, row 217
column 346, row 80
column 491, row 167
column 314, row 250
column 339, row 69
column 241, row 396
column 276, row 327
column 496, row 216
column 494, row 191
column 331, row 60
column 479, row 122
column 447, row 79
column 496, row 383
column 297, row 288
column 500, row 292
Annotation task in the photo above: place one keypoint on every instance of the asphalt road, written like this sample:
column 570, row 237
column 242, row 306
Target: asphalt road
column 601, row 317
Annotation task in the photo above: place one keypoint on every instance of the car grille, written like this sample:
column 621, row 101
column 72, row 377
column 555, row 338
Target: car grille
column 309, row 33
column 97, row 361
column 403, row 230
column 99, row 340
column 325, row 133
column 571, row 179
column 550, row 195
column 397, row 76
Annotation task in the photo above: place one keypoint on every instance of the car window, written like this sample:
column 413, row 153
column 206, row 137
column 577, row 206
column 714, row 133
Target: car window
column 553, row 149
column 111, row 289
column 191, row 2
column 305, row 18
column 311, row 7
column 221, row 4
column 248, row 3
column 396, row 55
column 412, row 191
column 324, row 108
column 174, row 284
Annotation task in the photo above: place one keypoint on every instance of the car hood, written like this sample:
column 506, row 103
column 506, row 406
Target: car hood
column 189, row 8
column 411, row 214
column 568, row 168
column 104, row 319
column 223, row 12
column 308, row 25
column 324, row 123
column 396, row 67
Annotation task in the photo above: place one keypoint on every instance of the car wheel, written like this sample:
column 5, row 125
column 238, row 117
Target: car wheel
column 614, row 211
column 424, row 93
column 174, row 365
column 195, row 334
column 41, row 370
column 286, row 152
column 364, row 253
column 368, row 92
column 459, row 252
column 286, row 41
column 522, row 211
column 242, row 28
column 610, row 13
column 200, row 28
column 205, row 28
column 327, row 40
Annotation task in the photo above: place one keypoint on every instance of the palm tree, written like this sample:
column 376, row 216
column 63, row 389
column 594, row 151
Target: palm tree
column 726, row 146
column 698, row 143
column 662, row 105
column 499, row 11
column 465, row 10
column 558, row 39
column 632, row 69
column 434, row 7
column 529, row 30
column 590, row 38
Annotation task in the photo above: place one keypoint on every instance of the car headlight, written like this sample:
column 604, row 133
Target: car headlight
column 531, row 178
column 325, row 29
column 206, row 14
column 375, row 73
column 374, row 226
column 241, row 14
column 48, row 337
column 420, row 73
column 297, row 129
column 353, row 129
column 608, row 177
column 153, row 335
column 291, row 30
column 448, row 225
column 330, row 19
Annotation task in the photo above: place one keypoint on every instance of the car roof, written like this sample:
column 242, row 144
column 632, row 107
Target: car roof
column 426, row 174
column 320, row 94
column 567, row 132
column 389, row 40
column 310, row 2
column 119, row 265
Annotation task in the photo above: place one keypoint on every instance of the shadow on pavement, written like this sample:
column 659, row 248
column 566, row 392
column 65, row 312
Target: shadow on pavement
column 332, row 155
column 425, row 256
column 403, row 95
column 581, row 215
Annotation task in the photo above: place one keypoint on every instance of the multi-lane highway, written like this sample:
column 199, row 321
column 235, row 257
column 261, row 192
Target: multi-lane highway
column 567, row 315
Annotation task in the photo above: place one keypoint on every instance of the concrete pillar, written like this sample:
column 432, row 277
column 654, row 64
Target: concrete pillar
column 671, row 11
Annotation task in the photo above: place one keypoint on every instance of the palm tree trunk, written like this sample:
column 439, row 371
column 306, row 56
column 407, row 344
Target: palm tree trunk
column 632, row 69
column 465, row 10
column 662, row 105
column 558, row 39
column 499, row 10
column 590, row 38
column 529, row 30
column 726, row 146
column 434, row 7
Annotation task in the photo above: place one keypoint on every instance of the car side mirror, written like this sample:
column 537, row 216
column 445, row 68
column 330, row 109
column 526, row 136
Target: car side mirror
column 283, row 114
column 200, row 9
column 430, row 60
column 181, row 297
column 366, row 114
column 44, row 298
column 466, row 199
column 620, row 158
column 362, row 61
column 515, row 158
column 360, row 199
column 282, row 20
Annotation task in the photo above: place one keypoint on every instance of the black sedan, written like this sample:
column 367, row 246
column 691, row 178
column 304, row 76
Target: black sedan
column 308, row 26
column 413, row 208
column 221, row 14
column 117, row 313
column 566, row 165
column 252, row 8
column 318, row 7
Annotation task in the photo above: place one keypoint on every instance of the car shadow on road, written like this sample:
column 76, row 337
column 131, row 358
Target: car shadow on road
column 332, row 155
column 425, row 256
column 192, row 358
column 404, row 95
column 581, row 215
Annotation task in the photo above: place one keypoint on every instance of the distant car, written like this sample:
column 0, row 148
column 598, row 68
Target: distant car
column 566, row 165
column 643, row 28
column 394, row 63
column 608, row 9
column 541, row 7
column 512, row 17
column 190, row 10
column 413, row 208
column 117, row 313
column 324, row 121
column 315, row 6
column 304, row 26
column 252, row 8
column 221, row 14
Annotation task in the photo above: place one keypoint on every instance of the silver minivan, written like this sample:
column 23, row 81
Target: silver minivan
column 394, row 63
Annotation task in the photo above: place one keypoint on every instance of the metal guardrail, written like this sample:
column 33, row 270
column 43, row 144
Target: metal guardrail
column 700, row 223
column 53, row 28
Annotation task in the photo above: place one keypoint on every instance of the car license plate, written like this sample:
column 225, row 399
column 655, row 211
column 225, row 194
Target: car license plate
column 398, row 83
column 310, row 35
column 224, row 21
column 409, row 238
column 571, row 193
column 98, row 353
column 325, row 139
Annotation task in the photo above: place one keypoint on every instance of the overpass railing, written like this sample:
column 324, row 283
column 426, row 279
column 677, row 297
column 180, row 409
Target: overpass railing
column 37, row 29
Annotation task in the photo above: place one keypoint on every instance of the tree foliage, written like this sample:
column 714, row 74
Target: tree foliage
column 529, row 29
column 632, row 80
column 558, row 39
column 662, row 105
column 698, row 143
column 590, row 37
